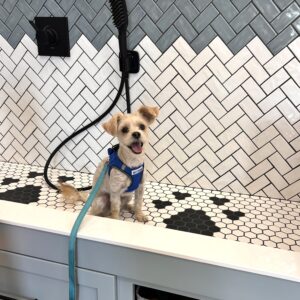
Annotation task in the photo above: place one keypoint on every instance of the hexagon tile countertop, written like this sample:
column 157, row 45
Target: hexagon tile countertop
column 250, row 219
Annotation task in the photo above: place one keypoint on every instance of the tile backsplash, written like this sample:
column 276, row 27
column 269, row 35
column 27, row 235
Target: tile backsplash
column 226, row 75
column 236, row 22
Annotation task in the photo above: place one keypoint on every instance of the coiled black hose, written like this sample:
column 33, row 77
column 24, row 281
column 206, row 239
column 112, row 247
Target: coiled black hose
column 120, row 18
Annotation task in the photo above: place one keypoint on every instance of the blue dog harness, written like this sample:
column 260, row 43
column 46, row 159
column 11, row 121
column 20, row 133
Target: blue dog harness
column 135, row 174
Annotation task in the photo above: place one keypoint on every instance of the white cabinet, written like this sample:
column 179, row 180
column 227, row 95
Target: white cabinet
column 38, row 279
column 114, row 256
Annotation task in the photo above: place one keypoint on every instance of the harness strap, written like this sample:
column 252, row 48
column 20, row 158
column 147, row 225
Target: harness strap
column 135, row 174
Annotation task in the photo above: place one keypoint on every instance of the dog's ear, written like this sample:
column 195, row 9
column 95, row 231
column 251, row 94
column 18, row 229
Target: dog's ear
column 149, row 113
column 111, row 126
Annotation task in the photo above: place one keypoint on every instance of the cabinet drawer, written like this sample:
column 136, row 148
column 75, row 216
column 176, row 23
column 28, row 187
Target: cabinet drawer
column 38, row 279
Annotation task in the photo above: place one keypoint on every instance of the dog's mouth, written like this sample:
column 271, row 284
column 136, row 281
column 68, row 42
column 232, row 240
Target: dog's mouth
column 136, row 147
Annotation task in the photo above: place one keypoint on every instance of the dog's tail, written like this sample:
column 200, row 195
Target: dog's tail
column 71, row 194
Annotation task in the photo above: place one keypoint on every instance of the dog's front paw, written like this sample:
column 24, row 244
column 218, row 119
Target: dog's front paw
column 141, row 217
column 114, row 215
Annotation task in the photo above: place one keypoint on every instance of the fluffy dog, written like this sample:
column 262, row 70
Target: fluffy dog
column 116, row 191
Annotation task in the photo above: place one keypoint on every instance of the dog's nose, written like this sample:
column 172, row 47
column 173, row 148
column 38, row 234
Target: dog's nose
column 136, row 135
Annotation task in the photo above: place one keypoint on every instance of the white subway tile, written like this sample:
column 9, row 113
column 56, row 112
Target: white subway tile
column 183, row 68
column 275, row 81
column 150, row 67
column 237, row 61
column 259, row 50
column 200, row 78
column 198, row 96
column 221, row 50
column 278, row 61
column 216, row 88
column 292, row 91
column 184, row 49
column 237, row 79
column 253, row 90
column 166, row 59
column 150, row 48
column 290, row 111
column 286, row 130
column 85, row 45
column 295, row 47
column 182, row 87
column 218, row 69
column 251, row 109
column 165, row 77
column 293, row 68
column 201, row 59
column 256, row 70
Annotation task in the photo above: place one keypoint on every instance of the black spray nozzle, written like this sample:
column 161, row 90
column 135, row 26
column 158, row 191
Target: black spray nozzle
column 119, row 12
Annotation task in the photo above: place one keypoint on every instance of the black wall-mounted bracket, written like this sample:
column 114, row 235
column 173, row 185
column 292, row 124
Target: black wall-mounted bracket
column 52, row 35
column 133, row 61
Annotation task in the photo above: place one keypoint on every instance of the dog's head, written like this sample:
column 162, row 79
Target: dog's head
column 132, row 129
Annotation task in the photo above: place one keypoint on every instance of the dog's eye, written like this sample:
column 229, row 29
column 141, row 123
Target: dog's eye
column 142, row 126
column 125, row 129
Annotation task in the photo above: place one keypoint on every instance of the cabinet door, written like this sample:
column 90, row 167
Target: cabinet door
column 42, row 280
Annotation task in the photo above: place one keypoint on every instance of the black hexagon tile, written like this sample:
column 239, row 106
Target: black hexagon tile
column 161, row 204
column 65, row 178
column 249, row 219
column 218, row 201
column 34, row 174
column 8, row 180
column 191, row 220
column 26, row 194
column 233, row 215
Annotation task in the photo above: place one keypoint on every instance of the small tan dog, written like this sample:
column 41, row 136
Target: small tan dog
column 116, row 191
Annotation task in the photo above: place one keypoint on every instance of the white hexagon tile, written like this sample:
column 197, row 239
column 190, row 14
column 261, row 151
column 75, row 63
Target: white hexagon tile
column 250, row 219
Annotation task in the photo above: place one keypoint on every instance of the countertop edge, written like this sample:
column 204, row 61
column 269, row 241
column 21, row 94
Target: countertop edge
column 277, row 263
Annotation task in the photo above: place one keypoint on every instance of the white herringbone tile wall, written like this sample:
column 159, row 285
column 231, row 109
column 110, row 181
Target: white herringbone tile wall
column 228, row 122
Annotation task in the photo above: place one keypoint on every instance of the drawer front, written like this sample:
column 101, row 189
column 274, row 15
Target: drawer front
column 29, row 278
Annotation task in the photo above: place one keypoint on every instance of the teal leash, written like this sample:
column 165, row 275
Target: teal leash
column 73, row 236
